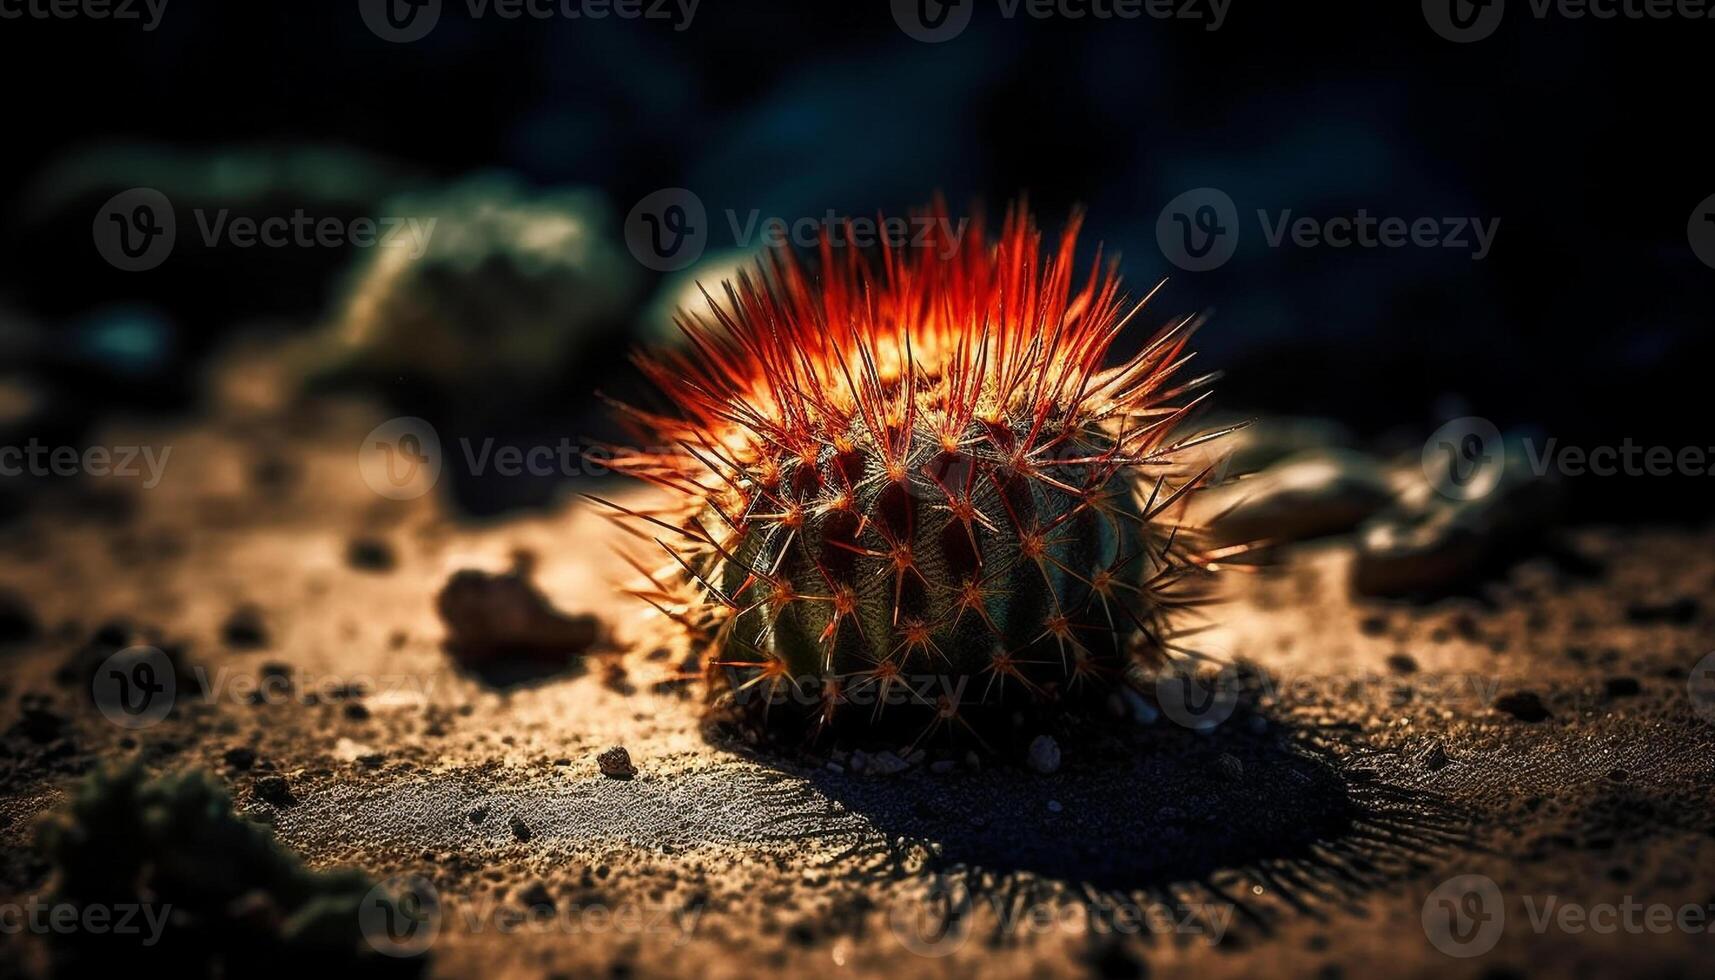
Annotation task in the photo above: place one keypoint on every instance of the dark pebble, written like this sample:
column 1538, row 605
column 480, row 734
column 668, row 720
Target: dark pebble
column 274, row 789
column 1680, row 612
column 1523, row 705
column 17, row 620
column 1622, row 687
column 370, row 555
column 244, row 629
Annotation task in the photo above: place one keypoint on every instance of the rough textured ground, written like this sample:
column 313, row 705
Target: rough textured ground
column 1377, row 749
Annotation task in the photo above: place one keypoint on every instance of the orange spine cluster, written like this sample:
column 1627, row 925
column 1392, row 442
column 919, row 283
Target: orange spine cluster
column 919, row 462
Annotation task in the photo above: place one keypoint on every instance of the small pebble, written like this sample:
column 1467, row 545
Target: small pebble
column 17, row 620
column 1435, row 758
column 1523, row 705
column 1230, row 767
column 535, row 895
column 615, row 763
column 1680, row 612
column 244, row 629
column 275, row 790
column 886, row 764
column 1402, row 663
column 1622, row 687
column 1044, row 755
column 1141, row 710
column 370, row 555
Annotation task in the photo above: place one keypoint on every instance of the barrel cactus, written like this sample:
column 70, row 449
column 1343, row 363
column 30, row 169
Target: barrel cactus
column 908, row 482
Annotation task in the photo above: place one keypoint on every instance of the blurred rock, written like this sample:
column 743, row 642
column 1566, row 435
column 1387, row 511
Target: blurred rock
column 232, row 176
column 1428, row 543
column 1311, row 494
column 683, row 290
column 615, row 763
column 17, row 619
column 1044, row 755
column 503, row 289
column 1262, row 442
column 497, row 621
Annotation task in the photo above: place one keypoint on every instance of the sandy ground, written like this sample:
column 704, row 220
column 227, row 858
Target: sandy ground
column 1539, row 731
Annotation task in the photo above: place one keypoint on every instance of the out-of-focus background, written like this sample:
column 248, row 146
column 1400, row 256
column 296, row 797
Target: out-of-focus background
column 1577, row 142
column 1432, row 236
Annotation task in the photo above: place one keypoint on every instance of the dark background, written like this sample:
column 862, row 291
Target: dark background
column 1589, row 321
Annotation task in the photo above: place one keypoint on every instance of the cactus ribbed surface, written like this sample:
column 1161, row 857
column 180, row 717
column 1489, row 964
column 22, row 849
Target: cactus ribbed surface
column 918, row 464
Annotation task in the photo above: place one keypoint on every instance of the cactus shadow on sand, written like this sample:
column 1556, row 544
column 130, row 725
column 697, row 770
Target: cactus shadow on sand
column 1255, row 817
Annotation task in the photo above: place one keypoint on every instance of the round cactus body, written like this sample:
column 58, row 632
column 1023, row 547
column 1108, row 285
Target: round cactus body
column 913, row 481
